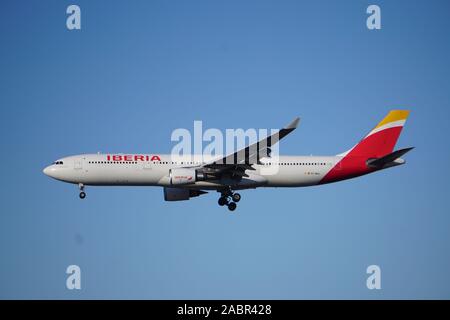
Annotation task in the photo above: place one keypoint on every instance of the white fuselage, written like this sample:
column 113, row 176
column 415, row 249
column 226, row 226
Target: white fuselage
column 140, row 170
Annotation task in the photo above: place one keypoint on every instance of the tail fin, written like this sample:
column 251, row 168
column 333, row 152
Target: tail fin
column 382, row 139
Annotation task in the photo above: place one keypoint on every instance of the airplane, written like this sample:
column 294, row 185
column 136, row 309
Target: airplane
column 244, row 169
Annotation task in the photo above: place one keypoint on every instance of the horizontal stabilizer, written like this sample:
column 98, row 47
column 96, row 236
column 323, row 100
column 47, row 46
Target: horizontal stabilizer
column 391, row 157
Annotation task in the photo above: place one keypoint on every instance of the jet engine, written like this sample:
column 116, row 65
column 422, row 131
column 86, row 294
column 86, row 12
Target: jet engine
column 179, row 194
column 181, row 176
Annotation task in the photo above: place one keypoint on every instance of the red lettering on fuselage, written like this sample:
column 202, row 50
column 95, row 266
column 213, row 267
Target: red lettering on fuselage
column 130, row 157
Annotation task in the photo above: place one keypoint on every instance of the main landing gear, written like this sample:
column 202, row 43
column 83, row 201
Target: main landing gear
column 229, row 198
column 82, row 193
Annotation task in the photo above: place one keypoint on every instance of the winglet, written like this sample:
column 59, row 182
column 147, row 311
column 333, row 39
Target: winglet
column 293, row 124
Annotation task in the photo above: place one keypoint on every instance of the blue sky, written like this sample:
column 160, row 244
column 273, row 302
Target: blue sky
column 138, row 70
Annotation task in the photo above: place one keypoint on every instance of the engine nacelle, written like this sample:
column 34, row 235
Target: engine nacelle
column 179, row 194
column 180, row 176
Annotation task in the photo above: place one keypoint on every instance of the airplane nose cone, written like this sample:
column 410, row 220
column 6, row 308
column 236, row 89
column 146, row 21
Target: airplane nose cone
column 46, row 171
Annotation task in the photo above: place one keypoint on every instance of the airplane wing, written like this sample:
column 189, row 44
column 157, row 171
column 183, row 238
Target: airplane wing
column 236, row 163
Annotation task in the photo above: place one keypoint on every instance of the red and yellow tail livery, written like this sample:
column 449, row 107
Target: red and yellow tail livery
column 379, row 143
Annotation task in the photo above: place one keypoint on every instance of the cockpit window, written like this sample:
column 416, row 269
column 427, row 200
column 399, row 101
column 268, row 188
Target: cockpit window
column 58, row 162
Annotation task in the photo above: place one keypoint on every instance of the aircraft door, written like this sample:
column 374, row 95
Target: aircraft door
column 78, row 164
column 146, row 165
column 338, row 165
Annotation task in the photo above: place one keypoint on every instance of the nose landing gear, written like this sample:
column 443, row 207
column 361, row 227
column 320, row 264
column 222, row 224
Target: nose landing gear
column 82, row 193
column 229, row 198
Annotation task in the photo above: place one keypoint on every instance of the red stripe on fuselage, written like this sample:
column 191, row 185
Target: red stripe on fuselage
column 348, row 167
column 354, row 164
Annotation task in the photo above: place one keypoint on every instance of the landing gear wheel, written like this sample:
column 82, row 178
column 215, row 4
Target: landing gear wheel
column 232, row 206
column 236, row 197
column 223, row 201
column 82, row 193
